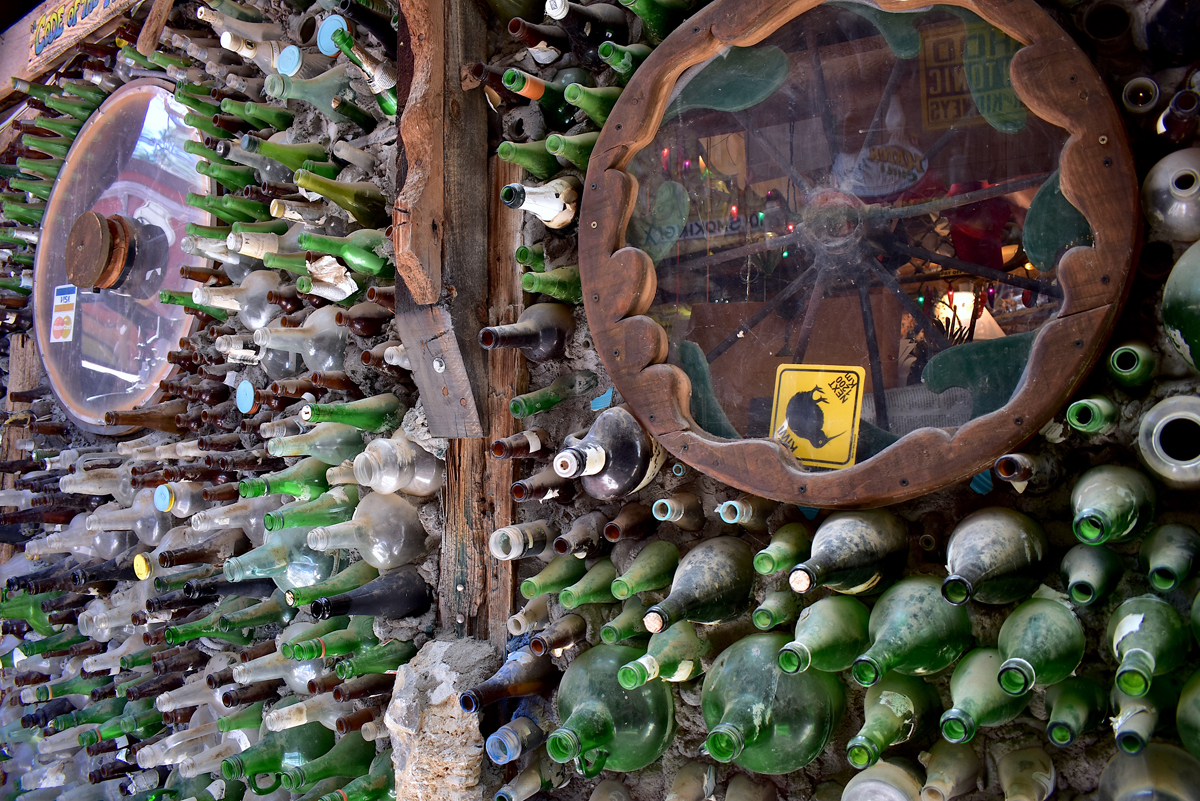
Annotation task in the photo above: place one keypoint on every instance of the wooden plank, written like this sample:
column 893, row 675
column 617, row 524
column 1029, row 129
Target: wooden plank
column 152, row 28
column 24, row 372
column 418, row 216
column 464, row 554
column 507, row 376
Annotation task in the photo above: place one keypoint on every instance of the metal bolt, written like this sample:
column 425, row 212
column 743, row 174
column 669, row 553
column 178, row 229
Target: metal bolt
column 439, row 365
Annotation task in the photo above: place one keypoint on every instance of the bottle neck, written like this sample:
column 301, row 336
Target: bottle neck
column 589, row 727
column 809, row 575
column 259, row 563
column 880, row 729
column 515, row 335
column 350, row 534
column 869, row 668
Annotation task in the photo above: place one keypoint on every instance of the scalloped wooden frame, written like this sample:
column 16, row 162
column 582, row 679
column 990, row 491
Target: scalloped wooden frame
column 619, row 282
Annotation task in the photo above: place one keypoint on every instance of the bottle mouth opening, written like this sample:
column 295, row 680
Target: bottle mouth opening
column 763, row 619
column 608, row 635
column 468, row 702
column 1130, row 743
column 764, row 563
column 794, row 658
column 957, row 727
column 801, row 580
column 662, row 509
column 956, row 590
column 632, row 676
column 865, row 672
column 568, row 599
column 724, row 743
column 1082, row 592
column 1061, row 735
column 503, row 747
column 1163, row 579
column 730, row 512
column 612, row 532
column 1016, row 677
column 654, row 621
column 862, row 754
column 620, row 589
column 1008, row 468
column 1133, row 682
column 1090, row 526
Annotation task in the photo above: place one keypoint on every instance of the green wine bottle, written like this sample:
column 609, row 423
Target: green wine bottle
column 533, row 157
column 625, row 625
column 361, row 199
column 558, row 113
column 385, row 657
column 380, row 74
column 1094, row 416
column 319, row 92
column 1090, row 573
column 357, row 250
column 659, row 17
column 562, row 572
column 1132, row 364
column 913, row 631
column 593, row 588
column 234, row 178
column 531, row 256
column 652, row 569
column 571, row 385
column 376, row 414
column 853, row 552
column 624, row 59
column 712, row 583
column 378, row 785
column 830, row 634
column 790, row 544
column 604, row 726
column 1041, row 642
column 275, row 753
column 1111, row 503
column 334, row 506
column 266, row 612
column 977, row 697
column 350, row 578
column 896, row 710
column 575, row 149
column 1148, row 638
column 1076, row 705
column 1167, row 554
column 763, row 719
column 29, row 608
column 994, row 556
column 596, row 102
column 779, row 608
column 1136, row 719
column 672, row 655
column 291, row 156
column 561, row 283
column 352, row 756
column 304, row 480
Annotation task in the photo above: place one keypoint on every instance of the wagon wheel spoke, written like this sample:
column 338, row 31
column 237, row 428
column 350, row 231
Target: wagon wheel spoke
column 824, row 274
column 763, row 313
column 862, row 283
column 1019, row 281
column 936, row 338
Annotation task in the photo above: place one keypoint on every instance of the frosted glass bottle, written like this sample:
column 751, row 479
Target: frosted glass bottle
column 249, row 299
column 286, row 558
column 385, row 529
column 396, row 465
column 246, row 514
column 320, row 341
column 275, row 665
column 146, row 522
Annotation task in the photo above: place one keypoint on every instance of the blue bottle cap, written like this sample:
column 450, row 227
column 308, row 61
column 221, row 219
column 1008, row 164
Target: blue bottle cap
column 245, row 397
column 289, row 61
column 164, row 499
column 333, row 22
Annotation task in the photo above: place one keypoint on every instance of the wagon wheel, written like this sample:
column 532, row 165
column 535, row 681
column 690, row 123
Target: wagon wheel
column 888, row 194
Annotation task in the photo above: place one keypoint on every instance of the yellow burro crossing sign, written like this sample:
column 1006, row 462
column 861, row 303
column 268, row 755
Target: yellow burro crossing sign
column 816, row 410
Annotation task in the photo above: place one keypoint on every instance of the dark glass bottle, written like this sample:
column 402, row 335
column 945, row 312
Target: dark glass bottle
column 616, row 458
column 588, row 27
column 541, row 332
column 522, row 674
column 399, row 594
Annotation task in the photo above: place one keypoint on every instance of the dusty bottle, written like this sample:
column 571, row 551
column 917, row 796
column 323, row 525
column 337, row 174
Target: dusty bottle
column 951, row 770
column 520, row 539
column 541, row 332
column 994, row 556
column 682, row 508
column 350, row 578
column 357, row 250
column 830, row 635
column 1090, row 572
column 584, row 536
column 1075, row 705
column 977, row 697
column 1161, row 771
column 1167, row 554
column 377, row 414
column 321, row 342
column 672, row 655
column 896, row 710
column 712, row 583
column 754, row 711
column 285, row 557
column 1111, row 503
column 1041, row 642
column 558, row 113
column 326, row 93
column 571, row 385
column 385, row 530
column 616, row 458
column 397, row 465
column 380, row 75
column 885, row 781
column 593, row 588
column 1027, row 775
column 532, row 443
column 1148, row 638
column 522, row 674
column 652, row 569
column 361, row 199
column 159, row 416
column 790, row 544
column 564, row 633
column 1187, row 714
column 331, row 443
column 605, row 726
column 562, row 572
column 625, row 625
column 554, row 203
column 1094, row 416
column 534, row 616
column 561, row 283
column 748, row 511
column 399, row 594
column 853, row 552
column 351, row 756
column 913, row 631
column 779, row 608
column 517, row 737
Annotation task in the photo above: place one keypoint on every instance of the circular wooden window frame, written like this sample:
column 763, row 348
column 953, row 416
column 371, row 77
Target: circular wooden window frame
column 619, row 282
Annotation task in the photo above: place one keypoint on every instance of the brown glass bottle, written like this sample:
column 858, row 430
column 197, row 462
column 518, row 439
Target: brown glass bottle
column 635, row 520
column 384, row 296
column 159, row 416
column 365, row 319
column 522, row 674
column 532, row 443
column 541, row 332
column 543, row 485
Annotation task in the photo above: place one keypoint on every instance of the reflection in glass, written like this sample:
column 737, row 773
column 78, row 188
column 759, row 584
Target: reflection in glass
column 861, row 190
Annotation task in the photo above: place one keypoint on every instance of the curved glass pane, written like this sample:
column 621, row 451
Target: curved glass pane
column 111, row 351
column 844, row 224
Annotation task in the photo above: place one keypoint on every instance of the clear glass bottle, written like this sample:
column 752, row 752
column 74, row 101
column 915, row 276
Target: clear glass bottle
column 386, row 530
column 320, row 341
column 396, row 465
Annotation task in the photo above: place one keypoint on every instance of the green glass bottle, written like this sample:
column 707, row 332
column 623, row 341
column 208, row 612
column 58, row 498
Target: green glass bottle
column 379, row 784
column 896, row 710
column 531, row 256
column 40, row 91
column 763, row 719
column 92, row 714
column 56, row 642
column 142, row 719
column 1136, row 719
column 604, row 726
column 351, row 756
column 383, row 658
column 213, row 206
column 379, row 74
column 853, row 552
column 651, row 569
column 357, row 250
column 208, row 626
column 56, row 147
column 322, row 628
column 331, row 443
column 276, row 117
column 557, row 112
column 624, row 59
column 39, row 189
column 672, row 655
column 571, row 385
column 1132, row 364
column 63, row 126
column 361, row 199
column 561, row 283
column 532, row 157
column 977, row 697
column 790, row 544
column 830, row 634
column 1094, row 416
column 596, row 102
column 576, row 150
column 1148, row 638
column 358, row 635
column 593, row 588
column 277, row 752
column 351, row 578
column 1187, row 715
column 77, row 685
column 211, row 231
column 319, row 92
column 1076, row 705
column 1111, row 503
column 248, row 718
column 29, row 608
column 335, row 506
column 205, row 126
column 562, row 572
column 304, row 480
column 291, row 156
column 197, row 104
column 47, row 168
column 712, row 583
column 1041, row 642
column 1090, row 572
column 376, row 414
column 1167, row 554
column 779, row 608
column 994, row 556
column 250, row 209
column 234, row 178
column 625, row 625
column 265, row 612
